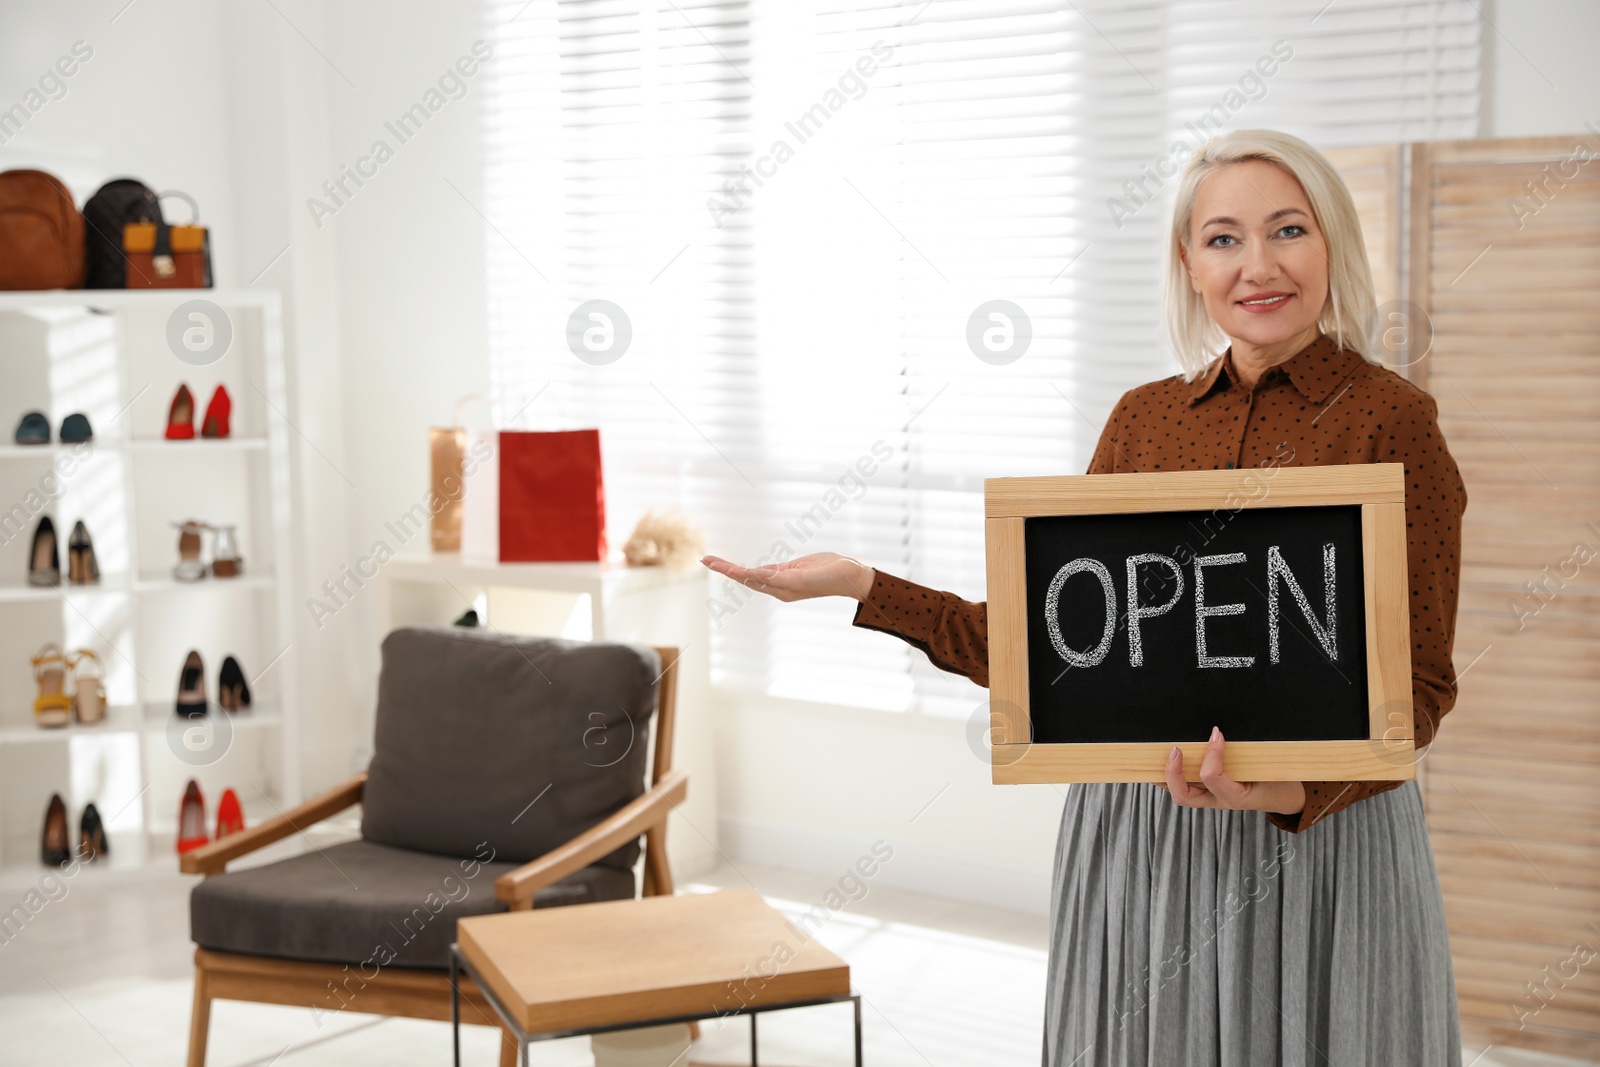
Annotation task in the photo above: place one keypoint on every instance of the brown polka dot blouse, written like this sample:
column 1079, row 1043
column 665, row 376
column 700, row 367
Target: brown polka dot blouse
column 1325, row 405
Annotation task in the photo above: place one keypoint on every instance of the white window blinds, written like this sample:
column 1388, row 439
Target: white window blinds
column 806, row 211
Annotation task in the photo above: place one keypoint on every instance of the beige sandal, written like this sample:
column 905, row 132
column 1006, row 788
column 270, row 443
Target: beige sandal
column 189, row 567
column 52, row 707
column 88, row 688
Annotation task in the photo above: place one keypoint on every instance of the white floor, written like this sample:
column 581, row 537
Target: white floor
column 102, row 976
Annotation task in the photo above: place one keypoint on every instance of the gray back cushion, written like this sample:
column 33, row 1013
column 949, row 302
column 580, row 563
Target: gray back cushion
column 518, row 742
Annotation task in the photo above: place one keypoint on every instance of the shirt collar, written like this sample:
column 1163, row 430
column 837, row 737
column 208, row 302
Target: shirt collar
column 1316, row 370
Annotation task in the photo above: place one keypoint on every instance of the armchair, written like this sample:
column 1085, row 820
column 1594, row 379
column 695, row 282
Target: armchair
column 516, row 761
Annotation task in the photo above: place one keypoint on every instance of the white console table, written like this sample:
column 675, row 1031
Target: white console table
column 607, row 601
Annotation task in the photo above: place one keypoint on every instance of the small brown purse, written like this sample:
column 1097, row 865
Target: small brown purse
column 160, row 256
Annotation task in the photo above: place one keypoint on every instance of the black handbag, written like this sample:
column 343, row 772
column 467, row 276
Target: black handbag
column 112, row 207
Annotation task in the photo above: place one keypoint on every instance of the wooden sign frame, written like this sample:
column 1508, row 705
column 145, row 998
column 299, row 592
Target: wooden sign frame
column 1387, row 754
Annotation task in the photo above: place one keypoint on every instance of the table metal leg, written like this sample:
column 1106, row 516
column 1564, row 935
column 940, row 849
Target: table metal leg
column 754, row 1062
column 455, row 1007
column 857, row 1000
column 524, row 1044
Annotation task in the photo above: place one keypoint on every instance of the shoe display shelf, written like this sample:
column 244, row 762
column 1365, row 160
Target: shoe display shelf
column 119, row 356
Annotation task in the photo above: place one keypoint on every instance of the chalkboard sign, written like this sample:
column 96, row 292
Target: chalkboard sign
column 1131, row 612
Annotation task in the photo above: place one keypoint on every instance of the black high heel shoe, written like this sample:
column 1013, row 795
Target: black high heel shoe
column 44, row 562
column 192, row 688
column 233, row 692
column 92, row 835
column 54, row 847
column 82, row 567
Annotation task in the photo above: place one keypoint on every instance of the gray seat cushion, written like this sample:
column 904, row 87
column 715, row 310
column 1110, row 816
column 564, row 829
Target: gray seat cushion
column 520, row 742
column 366, row 904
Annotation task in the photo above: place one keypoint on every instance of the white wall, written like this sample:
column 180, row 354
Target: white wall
column 131, row 108
column 1542, row 77
column 278, row 89
column 411, row 267
column 813, row 786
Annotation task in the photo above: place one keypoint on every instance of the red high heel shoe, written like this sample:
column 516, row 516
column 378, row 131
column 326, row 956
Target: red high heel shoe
column 180, row 416
column 217, row 412
column 230, row 816
column 192, row 818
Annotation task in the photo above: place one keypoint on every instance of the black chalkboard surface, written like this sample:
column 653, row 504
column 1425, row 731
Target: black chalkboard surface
column 1229, row 624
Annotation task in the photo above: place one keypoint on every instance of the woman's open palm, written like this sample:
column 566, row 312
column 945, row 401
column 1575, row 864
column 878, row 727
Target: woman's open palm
column 818, row 574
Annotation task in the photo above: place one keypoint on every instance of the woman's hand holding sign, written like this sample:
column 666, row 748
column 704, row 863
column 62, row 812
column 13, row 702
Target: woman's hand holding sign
column 1216, row 790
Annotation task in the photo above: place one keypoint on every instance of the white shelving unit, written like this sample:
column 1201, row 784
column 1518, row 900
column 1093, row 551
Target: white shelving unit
column 106, row 353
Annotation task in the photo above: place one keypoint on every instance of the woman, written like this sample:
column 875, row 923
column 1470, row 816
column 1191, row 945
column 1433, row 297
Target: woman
column 1223, row 923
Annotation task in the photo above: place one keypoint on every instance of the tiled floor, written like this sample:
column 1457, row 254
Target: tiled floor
column 101, row 975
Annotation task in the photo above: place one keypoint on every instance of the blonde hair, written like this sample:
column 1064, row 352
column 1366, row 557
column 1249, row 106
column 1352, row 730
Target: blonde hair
column 1349, row 314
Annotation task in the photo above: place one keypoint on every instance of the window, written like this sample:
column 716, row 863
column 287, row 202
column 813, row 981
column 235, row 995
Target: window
column 808, row 211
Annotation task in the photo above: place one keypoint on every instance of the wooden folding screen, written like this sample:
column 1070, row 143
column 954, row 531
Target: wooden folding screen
column 1375, row 176
column 1505, row 260
column 1502, row 259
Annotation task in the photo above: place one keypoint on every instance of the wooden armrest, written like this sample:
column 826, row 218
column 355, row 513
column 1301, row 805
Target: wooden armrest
column 648, row 810
column 213, row 858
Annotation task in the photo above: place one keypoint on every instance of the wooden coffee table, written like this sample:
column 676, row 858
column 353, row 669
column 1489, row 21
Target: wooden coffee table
column 593, row 968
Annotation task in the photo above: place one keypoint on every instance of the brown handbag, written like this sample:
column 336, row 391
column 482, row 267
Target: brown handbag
column 41, row 233
column 160, row 256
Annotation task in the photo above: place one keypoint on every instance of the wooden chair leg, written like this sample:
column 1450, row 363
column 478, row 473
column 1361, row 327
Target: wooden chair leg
column 508, row 1048
column 200, row 1018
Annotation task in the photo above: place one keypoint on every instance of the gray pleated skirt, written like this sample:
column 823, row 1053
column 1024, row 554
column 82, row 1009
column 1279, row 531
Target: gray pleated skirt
column 1182, row 937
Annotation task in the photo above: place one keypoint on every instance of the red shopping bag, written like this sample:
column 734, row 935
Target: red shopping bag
column 552, row 497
